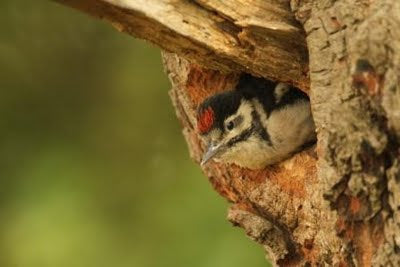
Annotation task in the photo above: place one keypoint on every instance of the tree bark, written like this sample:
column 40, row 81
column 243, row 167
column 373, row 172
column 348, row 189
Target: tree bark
column 336, row 204
column 231, row 35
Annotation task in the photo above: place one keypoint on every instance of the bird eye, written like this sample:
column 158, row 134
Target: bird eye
column 230, row 126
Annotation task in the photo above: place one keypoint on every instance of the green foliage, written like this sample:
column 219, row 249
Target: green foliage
column 94, row 170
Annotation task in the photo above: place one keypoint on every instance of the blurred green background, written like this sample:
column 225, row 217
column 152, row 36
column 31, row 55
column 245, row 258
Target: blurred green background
column 94, row 169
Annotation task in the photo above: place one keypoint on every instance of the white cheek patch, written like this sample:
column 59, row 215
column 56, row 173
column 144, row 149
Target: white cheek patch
column 245, row 109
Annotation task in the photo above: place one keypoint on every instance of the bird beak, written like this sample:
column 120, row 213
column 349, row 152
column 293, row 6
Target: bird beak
column 212, row 151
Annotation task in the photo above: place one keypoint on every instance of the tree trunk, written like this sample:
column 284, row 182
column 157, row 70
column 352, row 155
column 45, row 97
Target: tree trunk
column 336, row 204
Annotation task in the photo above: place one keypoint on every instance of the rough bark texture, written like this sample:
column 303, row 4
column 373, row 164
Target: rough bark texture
column 340, row 208
column 354, row 67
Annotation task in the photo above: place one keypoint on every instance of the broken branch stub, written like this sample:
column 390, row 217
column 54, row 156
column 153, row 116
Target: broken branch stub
column 257, row 36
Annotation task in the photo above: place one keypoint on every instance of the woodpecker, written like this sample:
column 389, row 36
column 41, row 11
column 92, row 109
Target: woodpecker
column 259, row 123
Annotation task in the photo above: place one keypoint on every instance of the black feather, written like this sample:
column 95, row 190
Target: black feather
column 249, row 87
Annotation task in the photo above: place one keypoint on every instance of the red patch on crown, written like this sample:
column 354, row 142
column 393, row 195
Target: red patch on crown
column 205, row 120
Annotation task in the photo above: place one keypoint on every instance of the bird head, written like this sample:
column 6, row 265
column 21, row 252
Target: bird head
column 224, row 120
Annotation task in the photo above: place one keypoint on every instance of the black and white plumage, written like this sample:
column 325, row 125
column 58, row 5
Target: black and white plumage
column 259, row 123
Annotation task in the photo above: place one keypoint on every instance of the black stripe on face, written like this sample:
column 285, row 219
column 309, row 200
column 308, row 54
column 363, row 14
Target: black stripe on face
column 260, row 128
column 256, row 127
column 241, row 137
